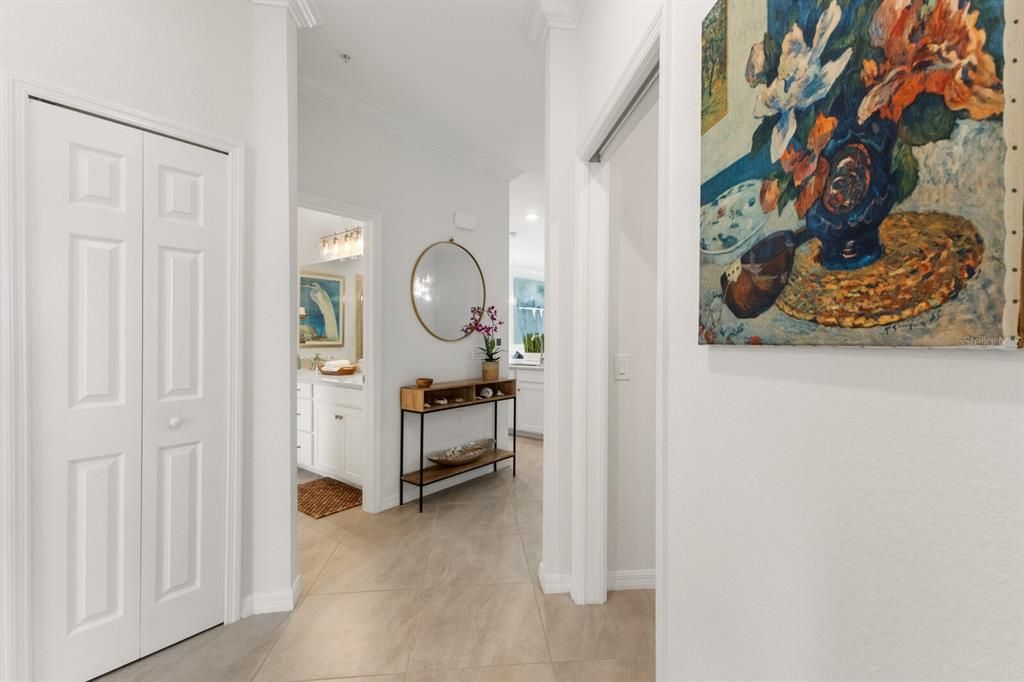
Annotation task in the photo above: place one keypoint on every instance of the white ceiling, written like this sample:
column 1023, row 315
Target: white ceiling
column 526, row 248
column 460, row 68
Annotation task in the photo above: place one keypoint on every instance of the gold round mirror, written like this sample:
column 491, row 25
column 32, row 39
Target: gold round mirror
column 446, row 282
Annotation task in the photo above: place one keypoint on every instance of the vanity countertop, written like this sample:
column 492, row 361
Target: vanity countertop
column 354, row 381
column 525, row 365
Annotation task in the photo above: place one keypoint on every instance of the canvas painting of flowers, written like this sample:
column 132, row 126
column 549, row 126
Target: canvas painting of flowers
column 863, row 189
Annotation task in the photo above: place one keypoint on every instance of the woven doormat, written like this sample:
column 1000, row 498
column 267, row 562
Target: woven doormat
column 325, row 496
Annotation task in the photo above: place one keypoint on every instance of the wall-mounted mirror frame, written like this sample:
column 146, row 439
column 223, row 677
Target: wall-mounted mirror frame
column 441, row 334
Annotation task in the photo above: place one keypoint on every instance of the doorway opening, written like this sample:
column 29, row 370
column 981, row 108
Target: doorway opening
column 632, row 345
column 615, row 326
column 330, row 416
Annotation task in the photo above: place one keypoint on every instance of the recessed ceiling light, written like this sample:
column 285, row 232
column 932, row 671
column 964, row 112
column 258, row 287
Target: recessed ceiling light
column 532, row 217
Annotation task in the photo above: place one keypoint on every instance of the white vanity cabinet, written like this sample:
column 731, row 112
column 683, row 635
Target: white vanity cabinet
column 331, row 431
column 304, row 425
column 530, row 402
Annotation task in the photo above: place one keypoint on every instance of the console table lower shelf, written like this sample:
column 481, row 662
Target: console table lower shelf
column 416, row 400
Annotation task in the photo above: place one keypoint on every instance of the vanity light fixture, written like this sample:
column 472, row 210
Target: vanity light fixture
column 342, row 245
column 532, row 217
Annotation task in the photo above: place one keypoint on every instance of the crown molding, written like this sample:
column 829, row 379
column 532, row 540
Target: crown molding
column 548, row 14
column 303, row 12
column 357, row 105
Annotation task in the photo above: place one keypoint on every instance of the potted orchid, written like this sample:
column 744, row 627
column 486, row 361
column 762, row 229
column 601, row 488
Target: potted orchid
column 490, row 366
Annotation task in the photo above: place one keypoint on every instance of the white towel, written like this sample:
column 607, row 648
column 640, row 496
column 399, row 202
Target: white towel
column 335, row 365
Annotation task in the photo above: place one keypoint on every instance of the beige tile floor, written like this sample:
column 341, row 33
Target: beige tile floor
column 449, row 595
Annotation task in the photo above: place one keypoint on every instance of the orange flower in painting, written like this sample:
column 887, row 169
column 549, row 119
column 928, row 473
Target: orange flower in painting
column 790, row 158
column 940, row 52
column 821, row 132
column 813, row 188
column 770, row 193
column 808, row 164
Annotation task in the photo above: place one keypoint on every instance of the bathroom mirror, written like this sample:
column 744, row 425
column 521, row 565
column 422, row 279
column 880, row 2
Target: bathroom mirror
column 446, row 282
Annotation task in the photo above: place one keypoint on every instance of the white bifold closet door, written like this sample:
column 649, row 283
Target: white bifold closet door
column 127, row 335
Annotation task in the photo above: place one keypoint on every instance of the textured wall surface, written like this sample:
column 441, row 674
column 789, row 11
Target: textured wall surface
column 830, row 514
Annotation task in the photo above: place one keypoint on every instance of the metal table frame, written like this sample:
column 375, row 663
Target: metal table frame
column 401, row 448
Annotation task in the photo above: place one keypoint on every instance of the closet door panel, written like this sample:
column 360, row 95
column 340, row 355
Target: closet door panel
column 84, row 219
column 184, row 390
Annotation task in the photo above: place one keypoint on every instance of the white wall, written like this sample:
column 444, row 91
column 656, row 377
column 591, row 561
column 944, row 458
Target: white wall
column 416, row 190
column 829, row 513
column 606, row 35
column 561, row 89
column 225, row 68
column 311, row 225
column 583, row 67
column 633, row 232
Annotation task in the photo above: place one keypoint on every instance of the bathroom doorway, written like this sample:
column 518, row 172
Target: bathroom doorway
column 336, row 473
column 330, row 424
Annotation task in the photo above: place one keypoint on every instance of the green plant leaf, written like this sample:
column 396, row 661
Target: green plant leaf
column 904, row 170
column 763, row 134
column 787, row 190
column 772, row 53
column 926, row 120
column 804, row 123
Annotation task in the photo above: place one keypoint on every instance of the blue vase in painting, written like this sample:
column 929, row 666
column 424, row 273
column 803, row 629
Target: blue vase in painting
column 857, row 197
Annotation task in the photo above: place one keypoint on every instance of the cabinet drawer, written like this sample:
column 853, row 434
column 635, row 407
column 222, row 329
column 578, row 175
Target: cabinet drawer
column 304, row 448
column 350, row 397
column 304, row 390
column 304, row 415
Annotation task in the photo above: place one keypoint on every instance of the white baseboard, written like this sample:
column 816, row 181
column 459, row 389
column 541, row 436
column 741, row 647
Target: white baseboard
column 526, row 433
column 617, row 580
column 272, row 602
column 631, row 580
column 552, row 584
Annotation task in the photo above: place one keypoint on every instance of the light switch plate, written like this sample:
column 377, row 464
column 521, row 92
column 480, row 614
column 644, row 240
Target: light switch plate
column 620, row 367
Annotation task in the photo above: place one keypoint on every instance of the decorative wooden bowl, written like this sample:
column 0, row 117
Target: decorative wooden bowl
column 462, row 454
column 340, row 372
column 424, row 382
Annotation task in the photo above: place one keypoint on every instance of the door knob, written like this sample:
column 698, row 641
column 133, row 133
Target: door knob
column 174, row 422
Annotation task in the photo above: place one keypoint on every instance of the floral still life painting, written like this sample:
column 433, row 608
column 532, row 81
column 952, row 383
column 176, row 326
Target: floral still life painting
column 860, row 189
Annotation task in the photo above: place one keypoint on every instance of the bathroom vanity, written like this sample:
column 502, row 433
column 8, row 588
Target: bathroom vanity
column 530, row 380
column 331, row 425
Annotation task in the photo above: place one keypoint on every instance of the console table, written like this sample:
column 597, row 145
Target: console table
column 458, row 394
